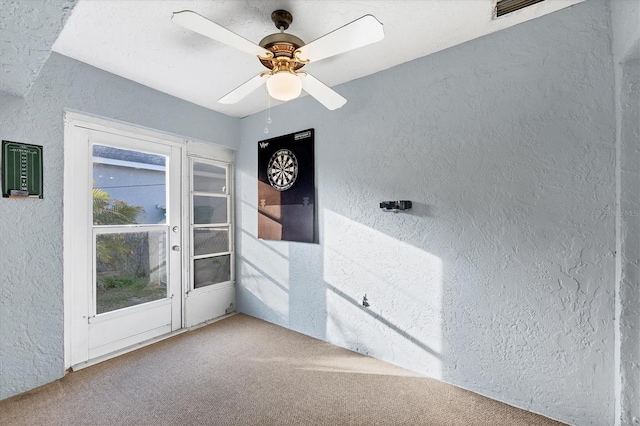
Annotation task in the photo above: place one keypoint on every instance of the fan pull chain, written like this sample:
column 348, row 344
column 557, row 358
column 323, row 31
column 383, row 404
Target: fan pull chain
column 267, row 111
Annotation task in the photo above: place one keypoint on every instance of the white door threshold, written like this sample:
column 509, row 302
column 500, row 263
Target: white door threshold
column 131, row 348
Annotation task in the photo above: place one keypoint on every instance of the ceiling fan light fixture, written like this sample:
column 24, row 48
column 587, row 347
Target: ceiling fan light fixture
column 284, row 86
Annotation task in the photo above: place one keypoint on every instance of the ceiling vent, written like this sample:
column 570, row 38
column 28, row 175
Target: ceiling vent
column 507, row 6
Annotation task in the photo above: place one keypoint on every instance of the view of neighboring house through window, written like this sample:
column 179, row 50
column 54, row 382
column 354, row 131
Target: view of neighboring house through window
column 137, row 178
column 129, row 199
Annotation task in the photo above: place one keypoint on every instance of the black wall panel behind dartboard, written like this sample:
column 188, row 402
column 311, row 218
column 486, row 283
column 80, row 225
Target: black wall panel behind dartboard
column 286, row 187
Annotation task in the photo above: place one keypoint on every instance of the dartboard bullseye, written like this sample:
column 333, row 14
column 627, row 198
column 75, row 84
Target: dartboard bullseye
column 282, row 170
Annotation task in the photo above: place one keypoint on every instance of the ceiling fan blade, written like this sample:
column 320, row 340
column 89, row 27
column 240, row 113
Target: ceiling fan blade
column 323, row 93
column 244, row 89
column 201, row 25
column 361, row 32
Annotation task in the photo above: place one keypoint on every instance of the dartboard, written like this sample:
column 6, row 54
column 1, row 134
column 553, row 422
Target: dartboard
column 282, row 169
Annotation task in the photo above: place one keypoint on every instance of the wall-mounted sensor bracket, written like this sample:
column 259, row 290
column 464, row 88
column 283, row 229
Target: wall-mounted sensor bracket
column 395, row 206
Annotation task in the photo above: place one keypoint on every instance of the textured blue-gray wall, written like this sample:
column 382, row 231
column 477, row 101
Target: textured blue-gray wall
column 31, row 302
column 501, row 277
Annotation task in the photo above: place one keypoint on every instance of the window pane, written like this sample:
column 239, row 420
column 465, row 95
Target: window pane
column 209, row 178
column 209, row 209
column 131, row 269
column 128, row 187
column 211, row 270
column 210, row 240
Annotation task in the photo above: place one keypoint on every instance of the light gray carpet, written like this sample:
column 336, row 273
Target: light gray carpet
column 244, row 371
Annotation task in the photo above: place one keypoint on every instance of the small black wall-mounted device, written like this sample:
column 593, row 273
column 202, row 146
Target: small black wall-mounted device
column 395, row 206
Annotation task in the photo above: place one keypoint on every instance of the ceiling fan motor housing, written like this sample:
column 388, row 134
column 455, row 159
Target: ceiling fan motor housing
column 282, row 45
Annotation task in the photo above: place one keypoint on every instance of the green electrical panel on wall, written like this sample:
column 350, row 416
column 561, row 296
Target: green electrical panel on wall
column 21, row 170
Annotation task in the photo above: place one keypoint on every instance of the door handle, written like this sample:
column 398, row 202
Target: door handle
column 175, row 248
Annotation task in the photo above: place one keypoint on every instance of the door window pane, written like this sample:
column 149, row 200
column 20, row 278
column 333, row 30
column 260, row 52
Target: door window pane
column 209, row 209
column 131, row 269
column 210, row 240
column 211, row 270
column 209, row 178
column 128, row 187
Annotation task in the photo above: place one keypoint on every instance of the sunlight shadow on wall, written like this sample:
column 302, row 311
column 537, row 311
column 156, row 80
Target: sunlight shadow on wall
column 265, row 273
column 403, row 287
column 250, row 227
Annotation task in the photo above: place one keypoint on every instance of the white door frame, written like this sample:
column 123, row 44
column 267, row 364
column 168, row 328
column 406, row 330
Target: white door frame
column 77, row 126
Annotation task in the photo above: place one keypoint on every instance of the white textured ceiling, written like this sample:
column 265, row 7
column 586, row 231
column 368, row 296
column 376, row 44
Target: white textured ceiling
column 137, row 40
column 28, row 28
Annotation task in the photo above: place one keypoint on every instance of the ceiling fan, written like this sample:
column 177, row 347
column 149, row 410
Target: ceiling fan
column 284, row 54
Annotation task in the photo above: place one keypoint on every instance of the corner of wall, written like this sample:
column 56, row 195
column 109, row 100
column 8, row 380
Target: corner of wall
column 625, row 40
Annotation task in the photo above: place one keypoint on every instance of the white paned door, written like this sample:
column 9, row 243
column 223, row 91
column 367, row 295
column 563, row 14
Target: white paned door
column 148, row 239
column 136, row 241
column 211, row 290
